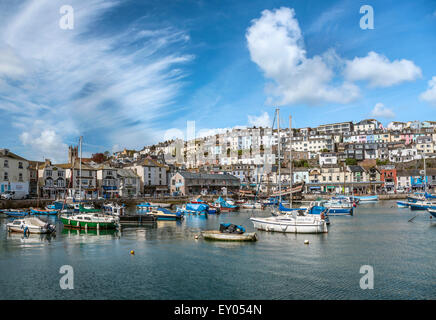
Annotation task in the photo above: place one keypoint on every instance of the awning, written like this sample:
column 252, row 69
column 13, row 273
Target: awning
column 331, row 187
column 315, row 188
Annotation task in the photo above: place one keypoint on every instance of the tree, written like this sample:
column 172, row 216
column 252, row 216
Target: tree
column 98, row 157
column 350, row 162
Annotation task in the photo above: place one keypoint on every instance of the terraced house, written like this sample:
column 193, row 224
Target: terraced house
column 52, row 181
column 14, row 174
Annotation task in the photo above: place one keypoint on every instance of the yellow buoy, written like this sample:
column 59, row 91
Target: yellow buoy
column 132, row 252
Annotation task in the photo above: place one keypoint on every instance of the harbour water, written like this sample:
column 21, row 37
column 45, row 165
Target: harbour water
column 169, row 263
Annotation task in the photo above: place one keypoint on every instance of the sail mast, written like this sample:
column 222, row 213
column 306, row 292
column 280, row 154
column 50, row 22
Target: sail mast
column 278, row 152
column 80, row 168
column 290, row 161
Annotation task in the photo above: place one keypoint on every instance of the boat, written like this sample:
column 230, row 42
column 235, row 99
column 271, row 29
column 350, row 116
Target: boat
column 403, row 204
column 422, row 205
column 30, row 225
column 229, row 232
column 90, row 221
column 16, row 213
column 43, row 212
column 295, row 222
column 315, row 207
column 77, row 207
column 165, row 214
column 251, row 205
column 432, row 211
column 367, row 198
column 224, row 206
column 136, row 219
column 338, row 207
column 114, row 208
column 146, row 207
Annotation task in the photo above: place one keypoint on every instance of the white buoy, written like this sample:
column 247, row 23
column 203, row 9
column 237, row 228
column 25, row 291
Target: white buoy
column 196, row 236
column 306, row 241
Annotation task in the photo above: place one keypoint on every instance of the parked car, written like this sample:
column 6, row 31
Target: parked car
column 15, row 195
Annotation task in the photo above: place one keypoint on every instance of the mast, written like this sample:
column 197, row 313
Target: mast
column 290, row 161
column 425, row 174
column 278, row 152
column 80, row 168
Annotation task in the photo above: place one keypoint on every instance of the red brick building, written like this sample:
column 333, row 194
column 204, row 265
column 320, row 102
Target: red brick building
column 388, row 174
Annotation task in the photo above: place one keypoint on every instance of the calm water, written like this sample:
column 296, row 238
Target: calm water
column 170, row 264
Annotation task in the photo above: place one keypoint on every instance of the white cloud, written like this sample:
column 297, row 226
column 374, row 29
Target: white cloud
column 260, row 121
column 276, row 45
column 113, row 86
column 381, row 111
column 379, row 71
column 173, row 133
column 430, row 94
column 47, row 144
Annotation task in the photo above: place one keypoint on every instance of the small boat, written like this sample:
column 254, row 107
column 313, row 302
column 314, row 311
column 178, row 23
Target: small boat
column 367, row 198
column 432, row 211
column 79, row 207
column 315, row 207
column 16, row 213
column 224, row 206
column 43, row 212
column 403, row 204
column 165, row 214
column 30, row 225
column 251, row 205
column 146, row 207
column 89, row 220
column 292, row 222
column 229, row 232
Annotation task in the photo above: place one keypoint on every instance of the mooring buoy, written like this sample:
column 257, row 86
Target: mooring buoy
column 306, row 241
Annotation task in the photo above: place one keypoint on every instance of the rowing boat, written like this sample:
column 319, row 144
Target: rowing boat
column 223, row 236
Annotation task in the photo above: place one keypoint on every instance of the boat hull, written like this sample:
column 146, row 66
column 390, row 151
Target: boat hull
column 73, row 223
column 340, row 211
column 289, row 227
column 222, row 236
column 403, row 204
column 432, row 211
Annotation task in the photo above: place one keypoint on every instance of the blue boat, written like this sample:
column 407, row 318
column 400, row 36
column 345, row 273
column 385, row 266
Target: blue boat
column 165, row 214
column 16, row 213
column 432, row 211
column 422, row 205
column 313, row 209
column 403, row 204
column 43, row 212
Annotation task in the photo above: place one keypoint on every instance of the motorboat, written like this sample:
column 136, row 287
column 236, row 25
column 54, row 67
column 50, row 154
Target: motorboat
column 251, row 205
column 114, row 208
column 367, row 198
column 30, row 225
column 229, row 232
column 292, row 222
column 165, row 214
column 422, row 205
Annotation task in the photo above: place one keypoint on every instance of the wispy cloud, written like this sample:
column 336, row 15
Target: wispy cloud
column 83, row 80
column 381, row 111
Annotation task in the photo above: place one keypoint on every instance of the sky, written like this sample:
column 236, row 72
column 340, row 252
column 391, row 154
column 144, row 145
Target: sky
column 125, row 74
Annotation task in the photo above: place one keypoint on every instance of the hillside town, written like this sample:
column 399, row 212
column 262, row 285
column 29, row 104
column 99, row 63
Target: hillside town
column 347, row 157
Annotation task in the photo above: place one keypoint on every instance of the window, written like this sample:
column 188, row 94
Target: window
column 90, row 173
column 20, row 177
column 20, row 165
column 48, row 173
column 5, row 176
column 6, row 164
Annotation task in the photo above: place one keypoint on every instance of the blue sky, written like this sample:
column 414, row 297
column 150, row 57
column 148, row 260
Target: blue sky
column 132, row 73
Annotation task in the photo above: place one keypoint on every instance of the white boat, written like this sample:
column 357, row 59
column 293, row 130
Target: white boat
column 251, row 205
column 293, row 222
column 222, row 236
column 113, row 208
column 31, row 225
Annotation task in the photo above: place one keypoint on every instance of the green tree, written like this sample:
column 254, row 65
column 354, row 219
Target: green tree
column 350, row 162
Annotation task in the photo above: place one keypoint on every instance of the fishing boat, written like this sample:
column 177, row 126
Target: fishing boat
column 43, row 212
column 16, row 213
column 224, row 206
column 229, row 232
column 367, row 198
column 90, row 221
column 30, row 225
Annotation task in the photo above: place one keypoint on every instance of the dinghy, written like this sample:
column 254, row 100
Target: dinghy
column 16, row 213
column 43, row 212
column 229, row 232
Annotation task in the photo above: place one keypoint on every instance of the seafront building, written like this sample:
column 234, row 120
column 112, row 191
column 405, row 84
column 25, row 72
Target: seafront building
column 362, row 157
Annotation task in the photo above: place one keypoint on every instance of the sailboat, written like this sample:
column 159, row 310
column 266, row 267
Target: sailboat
column 293, row 221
